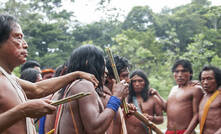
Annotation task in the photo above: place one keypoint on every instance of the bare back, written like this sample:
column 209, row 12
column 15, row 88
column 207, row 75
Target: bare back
column 81, row 109
column 8, row 100
column 150, row 107
column 50, row 118
column 213, row 120
column 182, row 105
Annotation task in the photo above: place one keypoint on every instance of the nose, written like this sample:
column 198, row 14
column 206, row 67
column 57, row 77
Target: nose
column 205, row 81
column 136, row 83
column 25, row 44
column 179, row 73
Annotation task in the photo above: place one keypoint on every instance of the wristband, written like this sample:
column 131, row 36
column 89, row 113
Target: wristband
column 114, row 103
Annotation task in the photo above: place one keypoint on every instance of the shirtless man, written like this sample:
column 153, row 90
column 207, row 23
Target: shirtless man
column 14, row 107
column 210, row 78
column 145, row 103
column 88, row 114
column 122, row 66
column 182, row 106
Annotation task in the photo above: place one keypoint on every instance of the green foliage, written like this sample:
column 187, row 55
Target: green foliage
column 151, row 41
column 140, row 18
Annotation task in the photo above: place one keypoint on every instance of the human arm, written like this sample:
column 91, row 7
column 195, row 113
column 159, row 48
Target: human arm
column 218, row 131
column 46, row 87
column 161, row 101
column 197, row 96
column 34, row 109
column 93, row 118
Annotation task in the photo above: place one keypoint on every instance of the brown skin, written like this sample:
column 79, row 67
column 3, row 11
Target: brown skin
column 183, row 101
column 150, row 108
column 47, row 76
column 90, row 115
column 50, row 118
column 115, row 127
column 213, row 120
column 13, row 53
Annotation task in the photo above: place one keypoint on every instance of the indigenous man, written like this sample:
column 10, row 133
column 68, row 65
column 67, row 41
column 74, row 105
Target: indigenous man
column 182, row 106
column 145, row 103
column 31, row 64
column 118, row 125
column 47, row 73
column 14, row 107
column 210, row 105
column 88, row 114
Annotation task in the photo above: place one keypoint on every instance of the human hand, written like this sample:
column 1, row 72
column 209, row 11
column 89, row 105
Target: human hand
column 153, row 91
column 37, row 108
column 120, row 89
column 149, row 117
column 89, row 77
column 132, row 109
column 194, row 83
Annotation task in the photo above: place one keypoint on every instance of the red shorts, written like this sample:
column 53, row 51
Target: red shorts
column 175, row 132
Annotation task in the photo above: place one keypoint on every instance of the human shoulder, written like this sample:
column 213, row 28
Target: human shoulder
column 3, row 82
column 81, row 85
column 197, row 89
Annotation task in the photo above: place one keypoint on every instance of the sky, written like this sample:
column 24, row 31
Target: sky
column 85, row 10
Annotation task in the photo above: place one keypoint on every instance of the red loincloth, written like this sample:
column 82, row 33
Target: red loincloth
column 175, row 132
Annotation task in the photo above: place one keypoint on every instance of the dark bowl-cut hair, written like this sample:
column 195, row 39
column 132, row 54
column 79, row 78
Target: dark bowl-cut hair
column 30, row 74
column 6, row 22
column 216, row 71
column 30, row 64
column 88, row 58
column 186, row 65
column 121, row 64
column 144, row 92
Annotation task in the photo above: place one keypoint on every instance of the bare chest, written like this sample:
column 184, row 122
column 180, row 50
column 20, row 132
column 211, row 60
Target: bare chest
column 214, row 108
column 9, row 98
column 180, row 95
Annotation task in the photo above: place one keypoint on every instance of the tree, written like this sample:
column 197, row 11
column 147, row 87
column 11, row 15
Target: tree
column 139, row 18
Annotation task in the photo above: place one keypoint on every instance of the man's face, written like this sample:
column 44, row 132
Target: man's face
column 138, row 83
column 37, row 68
column 181, row 75
column 47, row 76
column 124, row 75
column 39, row 78
column 208, row 81
column 15, row 48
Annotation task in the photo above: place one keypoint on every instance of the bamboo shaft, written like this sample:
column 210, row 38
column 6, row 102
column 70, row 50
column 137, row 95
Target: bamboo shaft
column 110, row 56
column 142, row 118
column 70, row 98
column 138, row 115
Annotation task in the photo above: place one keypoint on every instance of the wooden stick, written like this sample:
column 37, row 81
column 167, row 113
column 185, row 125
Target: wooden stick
column 51, row 131
column 70, row 98
column 142, row 118
column 111, row 58
column 138, row 115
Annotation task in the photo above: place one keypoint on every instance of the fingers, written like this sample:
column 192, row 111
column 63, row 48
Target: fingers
column 47, row 101
column 94, row 80
column 48, row 105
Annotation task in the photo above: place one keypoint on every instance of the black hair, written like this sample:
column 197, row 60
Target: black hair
column 61, row 70
column 29, row 64
column 30, row 74
column 186, row 65
column 144, row 92
column 121, row 64
column 88, row 58
column 6, row 22
column 216, row 71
